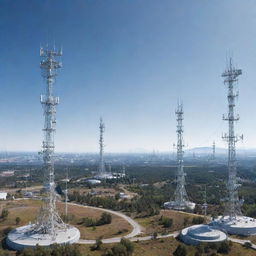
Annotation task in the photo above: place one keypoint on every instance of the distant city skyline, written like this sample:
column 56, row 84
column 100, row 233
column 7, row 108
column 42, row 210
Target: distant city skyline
column 130, row 62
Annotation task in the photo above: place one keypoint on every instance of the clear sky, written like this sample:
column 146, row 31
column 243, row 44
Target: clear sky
column 128, row 61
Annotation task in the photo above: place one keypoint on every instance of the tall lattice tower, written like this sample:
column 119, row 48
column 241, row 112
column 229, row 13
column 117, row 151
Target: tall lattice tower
column 102, row 169
column 49, row 221
column 213, row 150
column 49, row 228
column 181, row 197
column 233, row 204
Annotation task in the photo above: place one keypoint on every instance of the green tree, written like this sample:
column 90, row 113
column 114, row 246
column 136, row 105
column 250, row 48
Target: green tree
column 98, row 244
column 128, row 245
column 224, row 247
column 106, row 218
column 181, row 250
column 17, row 220
column 4, row 214
column 119, row 250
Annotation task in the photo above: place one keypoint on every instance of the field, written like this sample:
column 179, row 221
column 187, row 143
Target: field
column 98, row 190
column 180, row 220
column 27, row 210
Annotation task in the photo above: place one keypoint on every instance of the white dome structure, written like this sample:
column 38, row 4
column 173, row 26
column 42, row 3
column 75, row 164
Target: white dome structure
column 201, row 234
column 239, row 225
column 23, row 237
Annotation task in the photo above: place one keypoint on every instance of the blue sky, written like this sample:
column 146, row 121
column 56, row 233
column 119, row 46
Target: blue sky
column 128, row 61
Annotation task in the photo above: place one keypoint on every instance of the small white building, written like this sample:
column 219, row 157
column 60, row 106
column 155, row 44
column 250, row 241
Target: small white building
column 123, row 195
column 3, row 195
column 93, row 181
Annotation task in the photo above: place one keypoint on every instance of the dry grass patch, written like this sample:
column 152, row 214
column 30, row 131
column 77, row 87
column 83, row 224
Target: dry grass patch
column 118, row 226
column 180, row 220
column 27, row 210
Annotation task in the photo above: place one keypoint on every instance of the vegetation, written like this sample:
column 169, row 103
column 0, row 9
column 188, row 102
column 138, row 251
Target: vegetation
column 165, row 221
column 198, row 220
column 105, row 218
column 4, row 214
column 181, row 250
column 146, row 205
column 55, row 250
column 17, row 220
column 124, row 248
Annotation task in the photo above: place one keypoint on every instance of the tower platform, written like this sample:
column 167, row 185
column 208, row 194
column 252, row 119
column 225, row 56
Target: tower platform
column 239, row 225
column 201, row 234
column 23, row 237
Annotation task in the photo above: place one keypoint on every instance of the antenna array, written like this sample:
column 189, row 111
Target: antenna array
column 48, row 221
column 233, row 205
column 181, row 196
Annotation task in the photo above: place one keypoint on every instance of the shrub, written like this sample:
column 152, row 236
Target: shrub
column 166, row 222
column 181, row 250
column 97, row 245
column 128, row 245
column 247, row 245
column 17, row 220
column 224, row 247
column 4, row 214
column 105, row 218
column 198, row 220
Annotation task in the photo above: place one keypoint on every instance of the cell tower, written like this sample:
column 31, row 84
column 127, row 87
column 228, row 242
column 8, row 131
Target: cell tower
column 233, row 204
column 181, row 201
column 66, row 195
column 205, row 205
column 49, row 221
column 102, row 169
column 49, row 227
column 213, row 150
column 181, row 196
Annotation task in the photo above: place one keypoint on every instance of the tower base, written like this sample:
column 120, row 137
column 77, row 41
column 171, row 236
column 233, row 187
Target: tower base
column 22, row 237
column 239, row 225
column 201, row 234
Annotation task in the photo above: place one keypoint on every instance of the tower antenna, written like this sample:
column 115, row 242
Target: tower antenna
column 49, row 220
column 181, row 201
column 213, row 150
column 180, row 193
column 101, row 142
column 49, row 227
column 66, row 196
column 205, row 202
column 233, row 205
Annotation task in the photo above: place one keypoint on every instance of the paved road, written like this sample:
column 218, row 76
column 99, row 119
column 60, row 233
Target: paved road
column 136, row 227
column 241, row 241
column 137, row 230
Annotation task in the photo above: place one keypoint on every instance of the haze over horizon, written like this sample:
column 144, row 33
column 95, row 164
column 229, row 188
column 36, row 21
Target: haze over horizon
column 129, row 62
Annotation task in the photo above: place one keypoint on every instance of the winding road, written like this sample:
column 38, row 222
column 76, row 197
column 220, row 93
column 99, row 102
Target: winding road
column 138, row 230
column 135, row 231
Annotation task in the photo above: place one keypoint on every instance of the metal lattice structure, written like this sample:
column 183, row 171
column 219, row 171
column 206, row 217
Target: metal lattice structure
column 48, row 221
column 233, row 204
column 181, row 197
column 102, row 169
column 213, row 150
